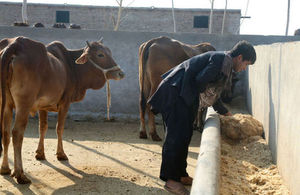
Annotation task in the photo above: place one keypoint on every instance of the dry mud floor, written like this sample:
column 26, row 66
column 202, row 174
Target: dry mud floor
column 109, row 158
column 104, row 158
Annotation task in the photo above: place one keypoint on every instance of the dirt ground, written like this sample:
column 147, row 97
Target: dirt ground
column 109, row 158
column 104, row 158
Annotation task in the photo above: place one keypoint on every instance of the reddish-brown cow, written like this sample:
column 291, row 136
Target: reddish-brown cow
column 156, row 57
column 38, row 78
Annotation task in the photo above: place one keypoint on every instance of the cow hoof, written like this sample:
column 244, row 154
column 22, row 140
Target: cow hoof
column 155, row 137
column 5, row 171
column 23, row 179
column 40, row 156
column 143, row 135
column 61, row 157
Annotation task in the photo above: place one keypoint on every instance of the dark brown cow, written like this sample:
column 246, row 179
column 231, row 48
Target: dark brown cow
column 156, row 57
column 38, row 78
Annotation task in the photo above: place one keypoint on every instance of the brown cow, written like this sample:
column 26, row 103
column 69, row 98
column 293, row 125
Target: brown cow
column 38, row 78
column 156, row 57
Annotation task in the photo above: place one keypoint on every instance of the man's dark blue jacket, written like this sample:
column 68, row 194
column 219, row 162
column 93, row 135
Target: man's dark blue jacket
column 188, row 80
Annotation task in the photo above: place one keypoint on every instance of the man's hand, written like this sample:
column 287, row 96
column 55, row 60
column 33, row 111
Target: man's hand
column 228, row 114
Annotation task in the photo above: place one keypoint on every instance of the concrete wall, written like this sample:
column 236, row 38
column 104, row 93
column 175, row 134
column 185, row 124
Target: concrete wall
column 273, row 98
column 133, row 19
column 124, row 46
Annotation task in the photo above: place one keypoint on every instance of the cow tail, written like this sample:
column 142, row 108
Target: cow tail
column 141, row 79
column 143, row 56
column 6, row 58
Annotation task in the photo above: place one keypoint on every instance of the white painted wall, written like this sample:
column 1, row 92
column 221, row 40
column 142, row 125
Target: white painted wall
column 274, row 99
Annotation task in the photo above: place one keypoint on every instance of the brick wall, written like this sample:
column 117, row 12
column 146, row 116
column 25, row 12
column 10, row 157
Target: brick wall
column 133, row 19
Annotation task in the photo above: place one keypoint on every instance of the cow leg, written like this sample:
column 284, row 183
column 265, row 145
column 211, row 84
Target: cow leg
column 152, row 126
column 200, row 124
column 196, row 122
column 59, row 131
column 151, row 118
column 5, row 170
column 201, row 119
column 17, row 138
column 43, row 126
column 143, row 133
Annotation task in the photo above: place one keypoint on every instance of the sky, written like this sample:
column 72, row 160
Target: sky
column 268, row 17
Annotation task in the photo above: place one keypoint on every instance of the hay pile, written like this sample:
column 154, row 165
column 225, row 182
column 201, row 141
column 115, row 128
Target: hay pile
column 247, row 168
column 246, row 161
column 240, row 126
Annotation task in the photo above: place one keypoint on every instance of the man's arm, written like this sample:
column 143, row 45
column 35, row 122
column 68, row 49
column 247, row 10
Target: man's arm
column 220, row 108
column 209, row 73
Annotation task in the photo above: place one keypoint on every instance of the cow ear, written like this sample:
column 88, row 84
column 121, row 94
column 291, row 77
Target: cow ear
column 82, row 59
column 189, row 51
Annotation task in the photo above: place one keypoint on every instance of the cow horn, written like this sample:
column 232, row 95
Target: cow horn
column 101, row 40
column 88, row 44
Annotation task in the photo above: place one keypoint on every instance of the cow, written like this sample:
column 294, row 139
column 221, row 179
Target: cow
column 156, row 57
column 35, row 77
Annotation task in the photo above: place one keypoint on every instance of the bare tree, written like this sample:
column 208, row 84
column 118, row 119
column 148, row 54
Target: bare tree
column 224, row 16
column 119, row 14
column 174, row 21
column 119, row 17
column 288, row 19
column 245, row 16
column 211, row 16
column 24, row 12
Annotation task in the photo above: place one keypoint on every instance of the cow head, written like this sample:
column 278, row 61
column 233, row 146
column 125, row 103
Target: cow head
column 100, row 57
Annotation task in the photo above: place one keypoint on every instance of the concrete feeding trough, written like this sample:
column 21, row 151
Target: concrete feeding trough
column 206, row 179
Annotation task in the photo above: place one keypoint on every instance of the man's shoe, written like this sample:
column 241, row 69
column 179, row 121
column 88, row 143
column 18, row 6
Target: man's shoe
column 176, row 188
column 187, row 181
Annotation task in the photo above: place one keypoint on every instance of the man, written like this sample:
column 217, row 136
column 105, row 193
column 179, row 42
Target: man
column 196, row 82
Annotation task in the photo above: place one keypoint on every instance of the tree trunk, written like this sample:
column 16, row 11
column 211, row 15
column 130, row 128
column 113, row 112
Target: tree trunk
column 174, row 22
column 224, row 16
column 288, row 19
column 24, row 12
column 211, row 17
column 119, row 16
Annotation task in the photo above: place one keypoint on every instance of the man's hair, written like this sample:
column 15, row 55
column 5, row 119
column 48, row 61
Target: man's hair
column 245, row 49
column 297, row 32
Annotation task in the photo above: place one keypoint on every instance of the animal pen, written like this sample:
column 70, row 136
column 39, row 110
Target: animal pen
column 109, row 158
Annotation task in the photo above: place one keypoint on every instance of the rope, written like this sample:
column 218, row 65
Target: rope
column 108, row 94
column 108, row 102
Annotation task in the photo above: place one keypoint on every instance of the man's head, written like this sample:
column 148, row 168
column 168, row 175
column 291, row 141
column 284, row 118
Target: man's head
column 243, row 54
